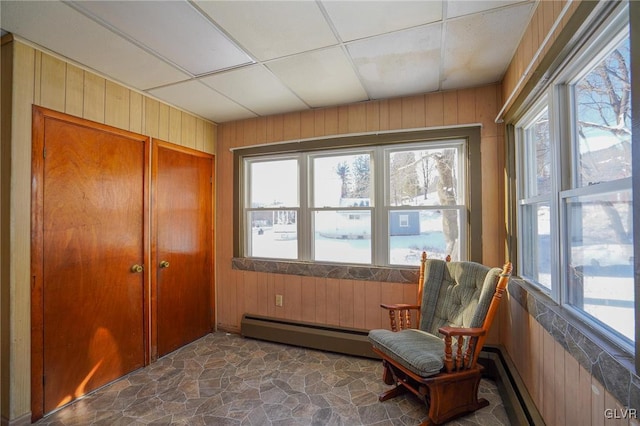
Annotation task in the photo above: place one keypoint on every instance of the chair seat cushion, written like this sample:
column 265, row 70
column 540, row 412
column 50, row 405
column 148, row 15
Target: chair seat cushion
column 416, row 350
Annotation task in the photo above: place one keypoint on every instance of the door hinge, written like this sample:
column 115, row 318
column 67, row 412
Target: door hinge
column 211, row 179
column 44, row 152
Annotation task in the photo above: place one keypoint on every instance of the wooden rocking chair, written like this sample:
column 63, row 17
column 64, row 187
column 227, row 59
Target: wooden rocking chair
column 438, row 360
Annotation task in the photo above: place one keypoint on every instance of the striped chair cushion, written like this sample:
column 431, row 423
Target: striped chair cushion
column 416, row 350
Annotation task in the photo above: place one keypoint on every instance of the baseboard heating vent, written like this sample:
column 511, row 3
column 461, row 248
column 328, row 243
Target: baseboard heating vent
column 517, row 402
column 349, row 341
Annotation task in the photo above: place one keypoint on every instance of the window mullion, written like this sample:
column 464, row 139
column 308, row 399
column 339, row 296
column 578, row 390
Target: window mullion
column 305, row 249
column 559, row 113
column 380, row 242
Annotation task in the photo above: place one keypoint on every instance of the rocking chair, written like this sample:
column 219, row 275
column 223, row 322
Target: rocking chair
column 438, row 360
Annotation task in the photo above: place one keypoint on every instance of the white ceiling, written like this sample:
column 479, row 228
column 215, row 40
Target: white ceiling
column 226, row 60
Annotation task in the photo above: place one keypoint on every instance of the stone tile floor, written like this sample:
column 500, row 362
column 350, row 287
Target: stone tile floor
column 225, row 379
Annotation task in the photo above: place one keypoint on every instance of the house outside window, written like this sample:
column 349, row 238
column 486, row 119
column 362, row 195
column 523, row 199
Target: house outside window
column 575, row 214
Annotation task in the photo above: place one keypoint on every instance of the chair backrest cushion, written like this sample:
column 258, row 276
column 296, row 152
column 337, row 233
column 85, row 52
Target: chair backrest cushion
column 456, row 294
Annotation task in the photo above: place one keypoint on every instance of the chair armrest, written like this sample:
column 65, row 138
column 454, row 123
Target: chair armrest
column 400, row 315
column 460, row 361
column 399, row 306
column 460, row 331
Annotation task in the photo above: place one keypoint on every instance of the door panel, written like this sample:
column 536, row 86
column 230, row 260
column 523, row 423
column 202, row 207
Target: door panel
column 92, row 234
column 182, row 209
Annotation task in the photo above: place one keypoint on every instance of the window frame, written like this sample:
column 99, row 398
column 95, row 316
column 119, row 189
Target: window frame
column 470, row 134
column 525, row 196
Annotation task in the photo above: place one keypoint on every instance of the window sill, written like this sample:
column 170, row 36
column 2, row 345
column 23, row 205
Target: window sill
column 608, row 363
column 396, row 274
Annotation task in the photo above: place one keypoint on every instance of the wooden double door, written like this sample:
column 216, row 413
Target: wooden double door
column 122, row 272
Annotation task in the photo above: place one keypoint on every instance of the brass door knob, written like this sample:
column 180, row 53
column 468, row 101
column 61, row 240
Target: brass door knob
column 164, row 264
column 137, row 268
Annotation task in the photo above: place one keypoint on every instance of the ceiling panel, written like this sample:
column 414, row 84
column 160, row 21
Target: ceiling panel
column 199, row 54
column 65, row 31
column 400, row 63
column 202, row 49
column 461, row 8
column 479, row 47
column 320, row 78
column 201, row 100
column 256, row 88
column 358, row 19
column 272, row 29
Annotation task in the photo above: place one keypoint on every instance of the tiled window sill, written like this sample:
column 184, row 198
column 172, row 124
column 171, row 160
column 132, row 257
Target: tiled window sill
column 328, row 270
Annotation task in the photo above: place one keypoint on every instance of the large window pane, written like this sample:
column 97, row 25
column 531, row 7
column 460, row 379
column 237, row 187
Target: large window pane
column 535, row 222
column 600, row 240
column 419, row 178
column 342, row 236
column 422, row 177
column 342, row 181
column 273, row 234
column 273, row 183
column 413, row 231
column 603, row 119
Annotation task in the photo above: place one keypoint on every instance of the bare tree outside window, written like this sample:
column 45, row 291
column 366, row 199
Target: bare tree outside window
column 603, row 104
column 361, row 172
column 342, row 170
column 603, row 98
column 403, row 178
column 448, row 197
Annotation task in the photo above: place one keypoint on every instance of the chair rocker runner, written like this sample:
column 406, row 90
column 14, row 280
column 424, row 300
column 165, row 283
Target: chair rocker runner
column 438, row 361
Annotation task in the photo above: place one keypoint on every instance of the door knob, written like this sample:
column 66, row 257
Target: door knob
column 137, row 268
column 164, row 264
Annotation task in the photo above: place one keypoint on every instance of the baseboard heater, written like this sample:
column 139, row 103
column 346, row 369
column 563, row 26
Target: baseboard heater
column 349, row 341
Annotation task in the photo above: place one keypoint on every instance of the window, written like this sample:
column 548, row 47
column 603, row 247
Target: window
column 373, row 204
column 273, row 207
column 536, row 196
column 424, row 204
column 574, row 186
column 341, row 207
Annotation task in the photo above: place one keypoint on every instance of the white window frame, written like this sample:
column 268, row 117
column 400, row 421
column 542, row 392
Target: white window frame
column 562, row 115
column 525, row 194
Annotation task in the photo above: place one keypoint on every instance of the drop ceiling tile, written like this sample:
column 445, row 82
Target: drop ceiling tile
column 63, row 30
column 400, row 63
column 272, row 29
column 173, row 29
column 479, row 47
column 358, row 19
column 320, row 78
column 256, row 88
column 457, row 8
column 199, row 99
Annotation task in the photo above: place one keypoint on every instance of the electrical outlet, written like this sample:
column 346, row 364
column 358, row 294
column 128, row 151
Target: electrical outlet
column 278, row 300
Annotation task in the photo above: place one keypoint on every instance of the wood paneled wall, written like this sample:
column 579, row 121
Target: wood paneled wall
column 564, row 391
column 540, row 25
column 349, row 303
column 44, row 80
